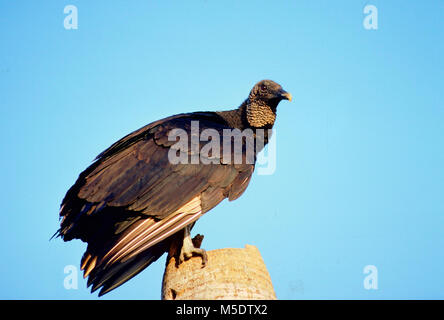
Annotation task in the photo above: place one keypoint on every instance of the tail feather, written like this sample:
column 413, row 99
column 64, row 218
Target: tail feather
column 112, row 276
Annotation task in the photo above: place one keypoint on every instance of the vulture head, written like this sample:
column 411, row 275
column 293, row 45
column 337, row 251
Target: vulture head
column 262, row 103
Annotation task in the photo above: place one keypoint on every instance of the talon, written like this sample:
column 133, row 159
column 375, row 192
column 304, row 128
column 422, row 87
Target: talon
column 189, row 249
column 204, row 258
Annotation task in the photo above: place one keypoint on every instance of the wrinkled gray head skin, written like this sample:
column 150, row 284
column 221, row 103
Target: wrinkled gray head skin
column 269, row 92
column 262, row 103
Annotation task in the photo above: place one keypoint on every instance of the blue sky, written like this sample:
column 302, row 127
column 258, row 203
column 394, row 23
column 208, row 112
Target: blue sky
column 359, row 178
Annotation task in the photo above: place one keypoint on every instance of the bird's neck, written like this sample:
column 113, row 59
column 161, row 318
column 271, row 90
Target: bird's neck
column 234, row 118
column 258, row 114
column 251, row 115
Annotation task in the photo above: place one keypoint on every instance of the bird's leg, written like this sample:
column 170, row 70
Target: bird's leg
column 188, row 249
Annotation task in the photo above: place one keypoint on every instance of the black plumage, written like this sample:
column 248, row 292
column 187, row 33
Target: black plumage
column 132, row 202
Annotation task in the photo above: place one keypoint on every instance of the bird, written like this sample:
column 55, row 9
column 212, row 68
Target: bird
column 136, row 199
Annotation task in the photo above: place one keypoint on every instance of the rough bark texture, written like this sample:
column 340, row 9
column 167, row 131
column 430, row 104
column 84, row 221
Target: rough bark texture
column 229, row 274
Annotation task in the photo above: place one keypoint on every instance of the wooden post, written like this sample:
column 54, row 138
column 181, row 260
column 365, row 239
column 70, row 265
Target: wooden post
column 229, row 274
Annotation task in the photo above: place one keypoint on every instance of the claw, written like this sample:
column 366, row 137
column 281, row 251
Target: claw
column 185, row 255
column 189, row 250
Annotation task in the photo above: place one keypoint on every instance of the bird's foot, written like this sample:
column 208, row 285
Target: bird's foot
column 189, row 249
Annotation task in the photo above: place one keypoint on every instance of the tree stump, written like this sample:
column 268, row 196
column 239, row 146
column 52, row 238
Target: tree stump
column 231, row 273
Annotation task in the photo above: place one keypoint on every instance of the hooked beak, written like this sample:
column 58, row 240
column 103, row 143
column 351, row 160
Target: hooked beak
column 285, row 95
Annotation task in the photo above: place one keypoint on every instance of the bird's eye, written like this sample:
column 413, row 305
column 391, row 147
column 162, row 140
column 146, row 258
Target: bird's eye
column 263, row 87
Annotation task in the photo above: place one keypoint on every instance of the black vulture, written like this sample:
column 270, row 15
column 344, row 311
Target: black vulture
column 144, row 192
